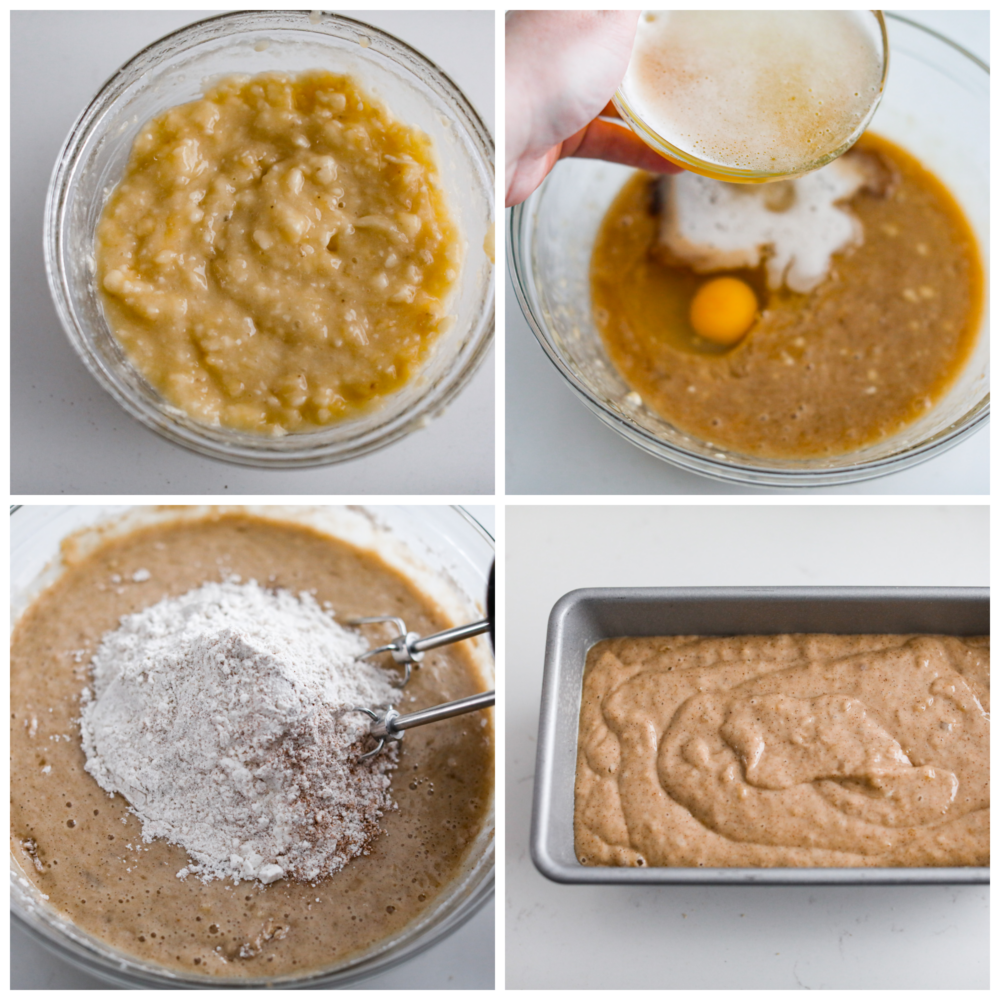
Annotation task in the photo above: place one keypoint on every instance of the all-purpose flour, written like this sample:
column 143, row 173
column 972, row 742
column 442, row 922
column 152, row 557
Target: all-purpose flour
column 224, row 717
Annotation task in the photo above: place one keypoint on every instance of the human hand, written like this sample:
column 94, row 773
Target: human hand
column 562, row 68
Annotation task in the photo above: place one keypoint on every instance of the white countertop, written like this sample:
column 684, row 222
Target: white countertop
column 554, row 445
column 67, row 435
column 723, row 937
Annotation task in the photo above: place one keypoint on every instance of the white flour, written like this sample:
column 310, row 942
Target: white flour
column 223, row 717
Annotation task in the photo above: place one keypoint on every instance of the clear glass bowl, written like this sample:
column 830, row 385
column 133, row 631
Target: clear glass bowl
column 444, row 551
column 935, row 105
column 172, row 71
column 625, row 102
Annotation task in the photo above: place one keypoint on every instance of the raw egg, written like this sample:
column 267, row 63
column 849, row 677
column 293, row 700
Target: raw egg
column 723, row 309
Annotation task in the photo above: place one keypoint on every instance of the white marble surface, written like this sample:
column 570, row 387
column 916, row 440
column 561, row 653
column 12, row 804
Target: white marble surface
column 554, row 445
column 67, row 435
column 722, row 937
column 463, row 960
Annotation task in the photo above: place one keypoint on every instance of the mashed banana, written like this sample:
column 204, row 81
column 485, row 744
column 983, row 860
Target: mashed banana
column 279, row 254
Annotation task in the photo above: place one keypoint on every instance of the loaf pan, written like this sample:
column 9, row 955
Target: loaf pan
column 584, row 617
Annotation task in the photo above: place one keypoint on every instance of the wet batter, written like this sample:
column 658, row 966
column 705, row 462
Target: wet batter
column 774, row 751
column 867, row 352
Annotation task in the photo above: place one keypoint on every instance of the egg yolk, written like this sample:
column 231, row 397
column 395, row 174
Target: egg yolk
column 723, row 309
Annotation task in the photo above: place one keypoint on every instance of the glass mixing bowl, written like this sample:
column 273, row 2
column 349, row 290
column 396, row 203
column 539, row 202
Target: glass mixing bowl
column 444, row 551
column 935, row 105
column 172, row 71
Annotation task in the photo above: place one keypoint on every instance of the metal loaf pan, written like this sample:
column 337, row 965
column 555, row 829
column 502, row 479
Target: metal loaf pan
column 583, row 617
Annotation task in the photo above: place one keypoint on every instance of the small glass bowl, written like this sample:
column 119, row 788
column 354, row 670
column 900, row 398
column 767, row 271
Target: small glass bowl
column 173, row 71
column 624, row 103
column 935, row 105
column 443, row 550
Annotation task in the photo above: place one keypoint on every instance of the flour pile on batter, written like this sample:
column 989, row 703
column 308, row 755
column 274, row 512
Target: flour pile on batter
column 224, row 717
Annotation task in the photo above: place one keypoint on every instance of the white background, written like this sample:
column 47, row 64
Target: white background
column 554, row 445
column 67, row 435
column 724, row 937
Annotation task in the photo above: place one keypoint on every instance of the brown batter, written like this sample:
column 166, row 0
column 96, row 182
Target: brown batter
column 774, row 751
column 84, row 850
column 870, row 350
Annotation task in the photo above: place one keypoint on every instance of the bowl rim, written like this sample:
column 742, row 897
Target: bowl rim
column 125, row 971
column 226, row 444
column 741, row 473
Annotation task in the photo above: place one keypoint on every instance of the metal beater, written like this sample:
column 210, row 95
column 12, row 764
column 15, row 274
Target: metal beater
column 390, row 725
column 408, row 648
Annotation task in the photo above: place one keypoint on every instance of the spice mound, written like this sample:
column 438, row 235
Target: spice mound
column 225, row 718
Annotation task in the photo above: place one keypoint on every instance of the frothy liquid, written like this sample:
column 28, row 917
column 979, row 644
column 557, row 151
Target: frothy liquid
column 765, row 91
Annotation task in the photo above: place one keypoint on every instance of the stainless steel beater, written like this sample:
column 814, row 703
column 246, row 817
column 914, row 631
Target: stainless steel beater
column 408, row 648
column 390, row 725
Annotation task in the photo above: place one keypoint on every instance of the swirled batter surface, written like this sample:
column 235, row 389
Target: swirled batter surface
column 794, row 750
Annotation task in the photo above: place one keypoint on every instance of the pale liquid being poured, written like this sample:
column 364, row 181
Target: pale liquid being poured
column 766, row 91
